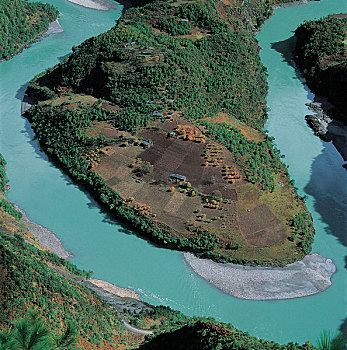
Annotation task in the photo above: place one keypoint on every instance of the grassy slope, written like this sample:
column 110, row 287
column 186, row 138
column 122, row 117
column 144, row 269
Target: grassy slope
column 202, row 69
column 321, row 50
column 21, row 23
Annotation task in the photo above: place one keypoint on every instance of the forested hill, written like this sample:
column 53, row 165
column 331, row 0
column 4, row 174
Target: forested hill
column 207, row 334
column 198, row 61
column 34, row 281
column 321, row 50
column 21, row 23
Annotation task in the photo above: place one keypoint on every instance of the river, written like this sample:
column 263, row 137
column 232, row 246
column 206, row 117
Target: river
column 115, row 254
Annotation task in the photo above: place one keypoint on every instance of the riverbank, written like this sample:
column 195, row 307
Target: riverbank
column 327, row 128
column 103, row 5
column 310, row 276
column 113, row 289
column 46, row 237
column 53, row 28
column 320, row 54
column 291, row 4
column 49, row 240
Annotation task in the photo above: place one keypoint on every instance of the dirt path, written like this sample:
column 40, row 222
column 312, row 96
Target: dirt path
column 133, row 329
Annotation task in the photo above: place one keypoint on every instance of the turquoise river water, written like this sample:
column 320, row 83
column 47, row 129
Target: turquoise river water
column 115, row 254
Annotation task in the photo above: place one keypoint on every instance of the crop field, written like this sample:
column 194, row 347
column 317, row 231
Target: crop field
column 214, row 196
column 246, row 130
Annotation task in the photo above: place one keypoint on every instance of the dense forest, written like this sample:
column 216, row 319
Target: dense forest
column 199, row 59
column 321, row 50
column 21, row 23
column 42, row 306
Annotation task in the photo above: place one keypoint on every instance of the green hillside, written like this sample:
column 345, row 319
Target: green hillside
column 190, row 69
column 21, row 23
column 321, row 50
column 207, row 334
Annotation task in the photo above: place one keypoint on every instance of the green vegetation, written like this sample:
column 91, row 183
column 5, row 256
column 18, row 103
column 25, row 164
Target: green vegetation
column 3, row 177
column 9, row 208
column 21, row 23
column 29, row 280
column 321, row 54
column 259, row 159
column 32, row 333
column 4, row 203
column 327, row 341
column 198, row 59
column 206, row 334
column 159, row 319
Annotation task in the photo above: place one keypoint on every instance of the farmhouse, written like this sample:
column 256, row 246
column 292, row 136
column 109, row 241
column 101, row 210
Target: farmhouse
column 146, row 144
column 172, row 134
column 177, row 177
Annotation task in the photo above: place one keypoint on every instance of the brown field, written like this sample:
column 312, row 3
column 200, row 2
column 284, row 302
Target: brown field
column 70, row 101
column 103, row 128
column 260, row 227
column 239, row 218
column 246, row 130
column 253, row 221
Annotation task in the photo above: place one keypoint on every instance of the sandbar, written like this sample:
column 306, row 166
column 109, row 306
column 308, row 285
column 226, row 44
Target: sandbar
column 306, row 277
column 103, row 5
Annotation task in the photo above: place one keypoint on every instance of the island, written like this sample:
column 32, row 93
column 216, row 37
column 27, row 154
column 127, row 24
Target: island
column 22, row 23
column 321, row 54
column 162, row 119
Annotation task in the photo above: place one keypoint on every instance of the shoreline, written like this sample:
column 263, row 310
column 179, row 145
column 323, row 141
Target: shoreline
column 309, row 276
column 51, row 241
column 292, row 4
column 326, row 127
column 53, row 28
column 112, row 289
column 45, row 236
column 101, row 5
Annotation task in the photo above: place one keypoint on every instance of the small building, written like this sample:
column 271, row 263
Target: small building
column 146, row 144
column 156, row 114
column 147, row 52
column 172, row 134
column 177, row 177
column 184, row 20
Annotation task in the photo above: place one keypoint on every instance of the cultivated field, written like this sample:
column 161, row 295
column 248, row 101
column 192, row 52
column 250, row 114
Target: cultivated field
column 214, row 196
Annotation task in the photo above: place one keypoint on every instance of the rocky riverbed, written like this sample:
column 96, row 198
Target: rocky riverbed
column 46, row 237
column 310, row 276
column 103, row 5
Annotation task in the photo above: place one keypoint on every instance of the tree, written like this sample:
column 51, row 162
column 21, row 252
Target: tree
column 31, row 333
column 327, row 341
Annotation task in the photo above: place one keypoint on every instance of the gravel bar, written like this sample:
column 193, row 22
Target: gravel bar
column 46, row 237
column 310, row 276
column 103, row 5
